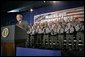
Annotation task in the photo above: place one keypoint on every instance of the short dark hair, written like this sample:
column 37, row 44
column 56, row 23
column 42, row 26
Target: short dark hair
column 19, row 14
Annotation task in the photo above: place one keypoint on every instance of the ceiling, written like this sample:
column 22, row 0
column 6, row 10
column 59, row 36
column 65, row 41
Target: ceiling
column 11, row 5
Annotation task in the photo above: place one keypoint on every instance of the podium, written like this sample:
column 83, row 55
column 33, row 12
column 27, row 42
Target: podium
column 12, row 36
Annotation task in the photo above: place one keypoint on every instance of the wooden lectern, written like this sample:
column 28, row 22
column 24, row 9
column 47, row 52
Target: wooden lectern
column 12, row 36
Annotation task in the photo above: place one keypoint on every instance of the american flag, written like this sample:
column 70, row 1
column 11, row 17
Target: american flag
column 78, row 12
column 74, row 12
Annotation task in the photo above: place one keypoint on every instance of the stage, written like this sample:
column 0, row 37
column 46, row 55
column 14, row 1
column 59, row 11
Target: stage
column 20, row 51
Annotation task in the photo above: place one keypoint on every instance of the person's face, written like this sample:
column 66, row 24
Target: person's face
column 19, row 17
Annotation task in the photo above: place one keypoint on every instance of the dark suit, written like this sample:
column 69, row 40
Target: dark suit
column 24, row 25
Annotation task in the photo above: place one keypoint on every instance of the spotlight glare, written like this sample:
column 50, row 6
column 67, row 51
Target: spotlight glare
column 54, row 1
column 31, row 10
column 15, row 10
column 44, row 1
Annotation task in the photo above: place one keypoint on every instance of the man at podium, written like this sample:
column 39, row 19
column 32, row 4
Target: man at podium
column 22, row 23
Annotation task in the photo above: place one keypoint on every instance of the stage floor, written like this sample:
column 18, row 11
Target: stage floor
column 20, row 51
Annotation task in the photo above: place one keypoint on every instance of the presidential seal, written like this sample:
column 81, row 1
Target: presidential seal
column 5, row 32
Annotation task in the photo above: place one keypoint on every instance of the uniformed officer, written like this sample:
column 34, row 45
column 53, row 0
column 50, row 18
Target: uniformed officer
column 28, row 38
column 32, row 38
column 53, row 36
column 77, row 24
column 79, row 35
column 69, row 34
column 69, row 28
column 34, row 35
column 46, row 36
column 40, row 36
column 82, row 27
column 61, row 36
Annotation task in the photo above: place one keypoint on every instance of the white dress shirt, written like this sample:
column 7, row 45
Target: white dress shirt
column 48, row 30
column 40, row 31
column 58, row 29
column 29, row 32
column 69, row 30
column 33, row 32
column 77, row 27
column 82, row 28
column 61, row 30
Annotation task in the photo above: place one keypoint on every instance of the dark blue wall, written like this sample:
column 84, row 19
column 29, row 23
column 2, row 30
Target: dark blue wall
column 8, row 19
